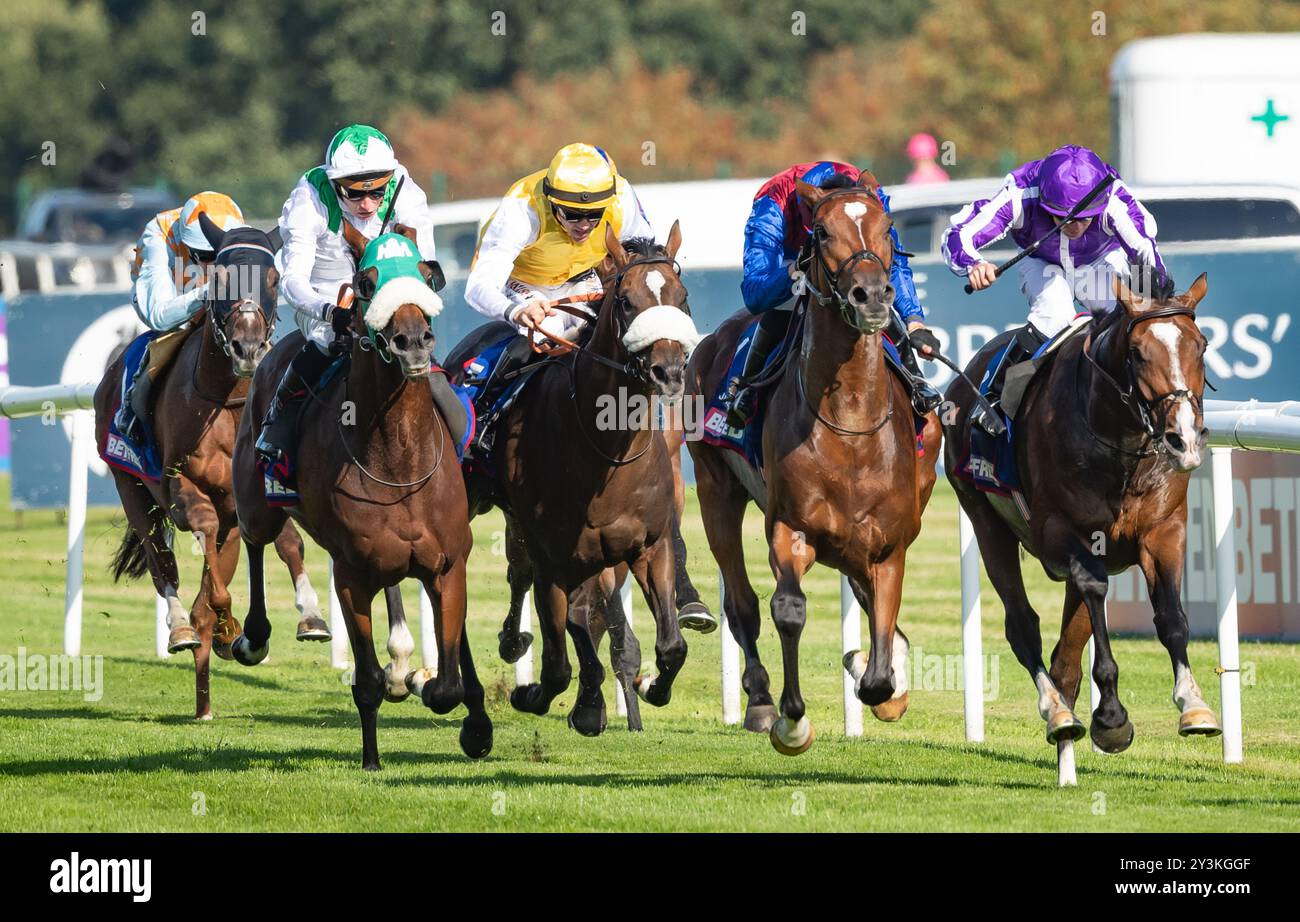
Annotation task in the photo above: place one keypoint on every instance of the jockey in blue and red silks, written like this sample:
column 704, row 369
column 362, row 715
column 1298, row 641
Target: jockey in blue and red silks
column 1080, row 263
column 778, row 227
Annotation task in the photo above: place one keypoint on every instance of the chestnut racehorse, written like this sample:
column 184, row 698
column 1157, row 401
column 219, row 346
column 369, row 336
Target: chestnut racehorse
column 844, row 482
column 381, row 491
column 582, row 495
column 1105, row 440
column 199, row 404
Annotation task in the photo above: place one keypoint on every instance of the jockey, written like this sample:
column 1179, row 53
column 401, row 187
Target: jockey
column 169, row 276
column 357, row 183
column 544, row 242
column 1110, row 234
column 777, row 229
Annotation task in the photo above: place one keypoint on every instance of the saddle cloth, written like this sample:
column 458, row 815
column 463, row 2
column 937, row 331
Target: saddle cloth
column 138, row 458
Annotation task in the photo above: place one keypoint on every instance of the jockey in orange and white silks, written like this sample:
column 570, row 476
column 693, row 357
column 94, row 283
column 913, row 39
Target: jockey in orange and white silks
column 356, row 184
column 172, row 256
column 546, row 238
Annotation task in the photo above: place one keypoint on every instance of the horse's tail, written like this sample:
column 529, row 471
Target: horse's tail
column 131, row 558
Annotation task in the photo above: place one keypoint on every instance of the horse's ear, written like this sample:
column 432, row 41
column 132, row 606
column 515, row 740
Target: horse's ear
column 271, row 279
column 406, row 231
column 1193, row 295
column 355, row 240
column 1131, row 303
column 811, row 195
column 365, row 283
column 867, row 180
column 210, row 230
column 274, row 239
column 674, row 240
column 616, row 251
column 433, row 274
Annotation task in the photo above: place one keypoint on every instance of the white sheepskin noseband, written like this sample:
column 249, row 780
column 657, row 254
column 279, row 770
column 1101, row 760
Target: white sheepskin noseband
column 402, row 290
column 663, row 321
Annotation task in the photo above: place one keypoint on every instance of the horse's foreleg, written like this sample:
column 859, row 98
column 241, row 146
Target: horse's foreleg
column 1111, row 729
column 476, row 729
column 511, row 642
column 227, row 624
column 1067, row 657
column 1000, row 551
column 289, row 546
column 192, row 510
column 653, row 570
column 790, row 557
column 1161, row 558
column 588, row 714
column 881, row 676
column 624, row 648
column 443, row 691
column 552, row 617
column 252, row 646
column 367, row 678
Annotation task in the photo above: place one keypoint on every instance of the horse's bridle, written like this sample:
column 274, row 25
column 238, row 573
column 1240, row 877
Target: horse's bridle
column 1146, row 412
column 242, row 306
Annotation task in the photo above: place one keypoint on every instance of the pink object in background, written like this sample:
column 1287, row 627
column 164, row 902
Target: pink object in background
column 922, row 149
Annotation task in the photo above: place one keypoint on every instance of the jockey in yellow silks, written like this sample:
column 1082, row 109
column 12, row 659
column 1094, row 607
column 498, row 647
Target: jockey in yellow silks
column 169, row 279
column 546, row 238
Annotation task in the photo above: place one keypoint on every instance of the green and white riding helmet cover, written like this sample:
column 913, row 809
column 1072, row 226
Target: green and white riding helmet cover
column 397, row 262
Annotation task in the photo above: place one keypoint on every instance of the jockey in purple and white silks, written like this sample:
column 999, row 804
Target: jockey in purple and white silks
column 1079, row 263
column 777, row 229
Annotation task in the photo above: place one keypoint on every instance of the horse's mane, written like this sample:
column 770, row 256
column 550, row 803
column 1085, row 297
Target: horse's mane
column 644, row 246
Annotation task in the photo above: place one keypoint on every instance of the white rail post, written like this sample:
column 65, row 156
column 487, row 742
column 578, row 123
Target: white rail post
column 850, row 640
column 338, row 629
column 83, row 433
column 161, row 631
column 428, row 639
column 1225, row 563
column 972, row 644
column 730, row 663
column 524, row 665
column 625, row 593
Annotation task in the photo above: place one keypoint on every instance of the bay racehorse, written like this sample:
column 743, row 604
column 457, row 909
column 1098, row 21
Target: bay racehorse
column 1105, row 440
column 199, row 402
column 586, row 482
column 843, row 482
column 381, row 491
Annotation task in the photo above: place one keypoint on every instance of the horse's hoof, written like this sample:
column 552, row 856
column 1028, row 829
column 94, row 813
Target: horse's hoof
column 314, row 628
column 651, row 691
column 589, row 721
column 475, row 741
column 529, row 699
column 395, row 689
column 1198, row 722
column 792, row 738
column 760, row 717
column 372, row 766
column 1112, row 739
column 891, row 710
column 415, row 681
column 222, row 648
column 695, row 616
column 1064, row 726
column 183, row 638
column 512, row 647
column 244, row 653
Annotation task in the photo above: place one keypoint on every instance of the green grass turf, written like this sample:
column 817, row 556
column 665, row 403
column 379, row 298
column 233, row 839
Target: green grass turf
column 284, row 750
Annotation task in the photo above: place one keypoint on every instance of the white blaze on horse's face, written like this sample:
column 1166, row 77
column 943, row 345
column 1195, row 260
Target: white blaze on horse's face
column 854, row 211
column 1189, row 455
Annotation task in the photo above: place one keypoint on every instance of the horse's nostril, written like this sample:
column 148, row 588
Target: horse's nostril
column 400, row 341
column 659, row 373
column 237, row 348
column 426, row 337
column 858, row 294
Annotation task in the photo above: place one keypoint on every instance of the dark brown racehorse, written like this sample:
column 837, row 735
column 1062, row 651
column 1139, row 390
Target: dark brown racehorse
column 382, row 492
column 198, row 406
column 1106, row 439
column 587, row 487
column 844, row 483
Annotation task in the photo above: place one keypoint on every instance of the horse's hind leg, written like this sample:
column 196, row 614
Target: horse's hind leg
column 1000, row 551
column 1161, row 558
column 624, row 648
column 311, row 623
column 552, row 618
column 150, row 533
column 588, row 714
column 511, row 642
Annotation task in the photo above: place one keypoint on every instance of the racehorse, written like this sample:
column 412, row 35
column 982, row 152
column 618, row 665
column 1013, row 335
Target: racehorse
column 845, row 483
column 381, row 492
column 1105, row 440
column 585, row 488
column 199, row 404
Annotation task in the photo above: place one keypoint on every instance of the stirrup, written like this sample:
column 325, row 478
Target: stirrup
column 740, row 406
column 989, row 422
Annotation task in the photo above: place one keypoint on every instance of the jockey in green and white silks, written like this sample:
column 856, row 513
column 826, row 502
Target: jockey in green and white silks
column 357, row 183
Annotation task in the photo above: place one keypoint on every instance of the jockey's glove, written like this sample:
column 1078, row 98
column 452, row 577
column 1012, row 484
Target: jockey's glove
column 921, row 339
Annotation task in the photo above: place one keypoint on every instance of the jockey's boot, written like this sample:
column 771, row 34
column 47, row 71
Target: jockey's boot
column 127, row 420
column 742, row 398
column 515, row 357
column 280, row 427
column 924, row 395
column 1022, row 346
